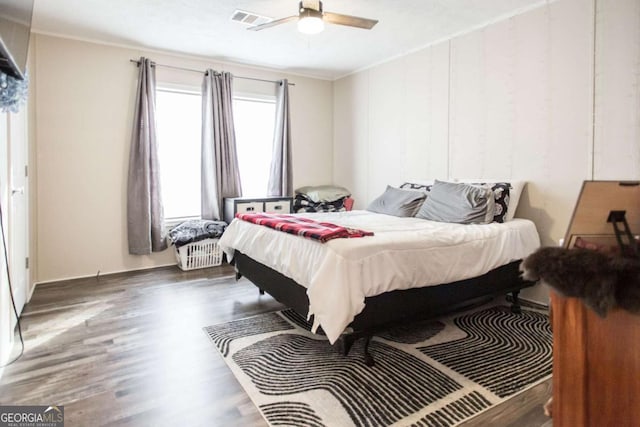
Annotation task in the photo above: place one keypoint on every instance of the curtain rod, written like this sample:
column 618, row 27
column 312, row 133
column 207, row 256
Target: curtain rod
column 137, row 62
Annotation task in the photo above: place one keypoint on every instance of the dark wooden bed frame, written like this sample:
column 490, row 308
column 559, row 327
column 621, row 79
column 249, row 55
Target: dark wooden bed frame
column 390, row 308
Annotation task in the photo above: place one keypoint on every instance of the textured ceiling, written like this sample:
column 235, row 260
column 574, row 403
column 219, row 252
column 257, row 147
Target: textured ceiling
column 204, row 28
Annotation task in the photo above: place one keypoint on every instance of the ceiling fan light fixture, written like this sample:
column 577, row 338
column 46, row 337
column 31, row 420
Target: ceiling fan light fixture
column 310, row 20
column 310, row 25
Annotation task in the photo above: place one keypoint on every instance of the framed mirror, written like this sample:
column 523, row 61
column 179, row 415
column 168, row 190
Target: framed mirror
column 606, row 217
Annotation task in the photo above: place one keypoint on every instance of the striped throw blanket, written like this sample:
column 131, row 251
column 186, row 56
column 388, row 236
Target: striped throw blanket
column 305, row 227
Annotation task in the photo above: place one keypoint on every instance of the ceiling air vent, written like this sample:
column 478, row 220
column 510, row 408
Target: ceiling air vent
column 249, row 18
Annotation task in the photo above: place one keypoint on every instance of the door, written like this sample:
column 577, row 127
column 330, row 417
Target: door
column 18, row 220
column 6, row 334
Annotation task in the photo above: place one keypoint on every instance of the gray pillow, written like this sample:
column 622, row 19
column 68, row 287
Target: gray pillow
column 398, row 202
column 458, row 203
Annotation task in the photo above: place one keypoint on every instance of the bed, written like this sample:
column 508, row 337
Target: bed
column 410, row 269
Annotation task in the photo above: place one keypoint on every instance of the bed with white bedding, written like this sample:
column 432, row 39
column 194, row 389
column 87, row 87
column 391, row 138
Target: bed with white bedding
column 342, row 277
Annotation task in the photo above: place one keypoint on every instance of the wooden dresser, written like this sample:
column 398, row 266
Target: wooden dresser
column 596, row 366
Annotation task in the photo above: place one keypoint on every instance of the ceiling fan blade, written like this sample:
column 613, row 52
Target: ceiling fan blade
column 272, row 23
column 350, row 21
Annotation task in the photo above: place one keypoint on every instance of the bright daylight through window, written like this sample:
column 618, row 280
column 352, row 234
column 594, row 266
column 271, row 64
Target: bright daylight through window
column 178, row 121
column 254, row 120
column 179, row 118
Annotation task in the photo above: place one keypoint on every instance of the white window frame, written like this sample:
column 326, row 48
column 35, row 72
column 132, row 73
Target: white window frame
column 192, row 90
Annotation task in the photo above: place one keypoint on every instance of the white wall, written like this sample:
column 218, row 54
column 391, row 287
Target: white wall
column 84, row 106
column 514, row 100
column 390, row 123
column 617, row 83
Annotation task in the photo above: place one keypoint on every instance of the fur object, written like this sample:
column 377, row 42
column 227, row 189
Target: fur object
column 602, row 281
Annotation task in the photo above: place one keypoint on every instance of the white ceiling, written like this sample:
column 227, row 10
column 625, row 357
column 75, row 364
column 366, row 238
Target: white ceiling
column 204, row 28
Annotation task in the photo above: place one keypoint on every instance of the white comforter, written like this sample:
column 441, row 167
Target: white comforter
column 404, row 253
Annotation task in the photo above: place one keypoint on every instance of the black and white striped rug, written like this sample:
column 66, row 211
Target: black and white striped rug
column 433, row 373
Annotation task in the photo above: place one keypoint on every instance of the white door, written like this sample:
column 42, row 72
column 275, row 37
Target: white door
column 18, row 220
column 6, row 334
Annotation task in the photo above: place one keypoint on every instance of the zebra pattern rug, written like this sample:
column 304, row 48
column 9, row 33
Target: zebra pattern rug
column 432, row 373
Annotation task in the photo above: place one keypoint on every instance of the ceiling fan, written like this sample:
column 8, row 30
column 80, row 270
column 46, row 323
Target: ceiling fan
column 311, row 19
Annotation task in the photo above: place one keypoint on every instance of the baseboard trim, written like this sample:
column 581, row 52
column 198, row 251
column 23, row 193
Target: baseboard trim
column 529, row 303
column 100, row 274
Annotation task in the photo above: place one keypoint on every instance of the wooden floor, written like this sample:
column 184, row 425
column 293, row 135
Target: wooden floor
column 128, row 349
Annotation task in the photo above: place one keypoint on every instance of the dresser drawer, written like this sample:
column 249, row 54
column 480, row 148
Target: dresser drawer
column 278, row 206
column 275, row 204
column 249, row 207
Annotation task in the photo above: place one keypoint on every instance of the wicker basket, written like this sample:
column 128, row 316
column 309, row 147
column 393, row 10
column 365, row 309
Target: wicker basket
column 202, row 254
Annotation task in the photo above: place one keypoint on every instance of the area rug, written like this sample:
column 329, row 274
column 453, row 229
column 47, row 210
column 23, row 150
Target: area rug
column 432, row 373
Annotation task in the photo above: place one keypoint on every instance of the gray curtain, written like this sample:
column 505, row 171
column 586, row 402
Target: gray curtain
column 280, row 175
column 220, row 172
column 145, row 218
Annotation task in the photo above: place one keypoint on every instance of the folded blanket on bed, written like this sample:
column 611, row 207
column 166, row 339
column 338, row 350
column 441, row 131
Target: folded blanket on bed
column 305, row 227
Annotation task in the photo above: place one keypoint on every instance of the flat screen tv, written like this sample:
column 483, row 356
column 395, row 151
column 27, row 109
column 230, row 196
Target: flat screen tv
column 15, row 29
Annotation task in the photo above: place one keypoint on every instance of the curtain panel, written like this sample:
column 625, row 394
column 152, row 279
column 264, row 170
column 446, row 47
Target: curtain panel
column 145, row 218
column 220, row 171
column 281, row 175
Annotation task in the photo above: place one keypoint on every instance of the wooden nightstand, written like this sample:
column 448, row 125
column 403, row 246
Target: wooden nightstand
column 273, row 204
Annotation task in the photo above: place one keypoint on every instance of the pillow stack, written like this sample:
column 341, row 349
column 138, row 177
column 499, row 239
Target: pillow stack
column 320, row 198
column 455, row 202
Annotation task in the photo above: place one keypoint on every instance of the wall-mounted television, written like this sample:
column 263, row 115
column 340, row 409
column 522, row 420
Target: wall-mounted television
column 15, row 29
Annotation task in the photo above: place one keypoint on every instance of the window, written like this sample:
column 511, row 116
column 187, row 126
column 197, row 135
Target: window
column 179, row 127
column 254, row 122
column 179, row 122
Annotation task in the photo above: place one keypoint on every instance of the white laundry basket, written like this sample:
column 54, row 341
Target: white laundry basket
column 202, row 254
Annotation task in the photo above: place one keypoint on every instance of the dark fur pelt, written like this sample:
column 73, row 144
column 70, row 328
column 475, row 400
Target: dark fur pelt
column 602, row 281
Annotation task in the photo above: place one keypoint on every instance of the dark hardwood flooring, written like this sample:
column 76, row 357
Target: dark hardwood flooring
column 128, row 349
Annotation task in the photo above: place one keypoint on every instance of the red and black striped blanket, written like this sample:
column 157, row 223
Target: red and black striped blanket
column 305, row 227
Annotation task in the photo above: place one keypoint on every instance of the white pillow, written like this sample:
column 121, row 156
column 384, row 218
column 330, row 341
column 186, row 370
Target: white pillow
column 514, row 197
